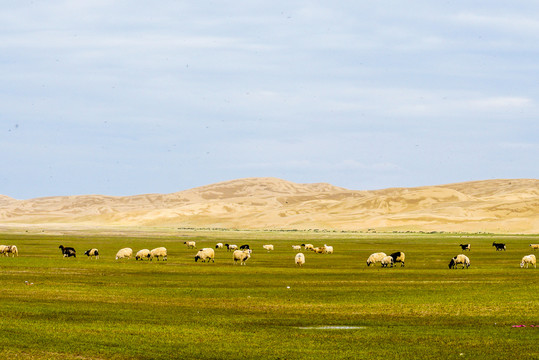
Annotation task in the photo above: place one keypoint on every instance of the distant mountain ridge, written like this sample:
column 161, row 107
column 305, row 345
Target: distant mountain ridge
column 502, row 206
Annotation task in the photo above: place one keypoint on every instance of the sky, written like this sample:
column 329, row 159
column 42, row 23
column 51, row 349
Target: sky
column 133, row 97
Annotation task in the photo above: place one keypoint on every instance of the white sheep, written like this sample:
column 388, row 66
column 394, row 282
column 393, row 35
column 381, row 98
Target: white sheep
column 308, row 246
column 124, row 253
column 219, row 245
column 268, row 247
column 190, row 244
column 242, row 256
column 158, row 252
column 387, row 260
column 11, row 249
column 300, row 259
column 92, row 252
column 376, row 257
column 231, row 247
column 296, row 247
column 459, row 259
column 205, row 254
column 328, row 249
column 142, row 254
column 534, row 246
column 527, row 260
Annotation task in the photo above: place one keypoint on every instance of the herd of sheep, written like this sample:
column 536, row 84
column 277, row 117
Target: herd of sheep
column 243, row 253
column 461, row 259
column 124, row 253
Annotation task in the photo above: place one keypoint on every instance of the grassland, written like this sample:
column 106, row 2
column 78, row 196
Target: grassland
column 268, row 309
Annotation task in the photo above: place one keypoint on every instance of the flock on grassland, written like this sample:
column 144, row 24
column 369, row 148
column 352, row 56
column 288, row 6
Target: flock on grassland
column 240, row 254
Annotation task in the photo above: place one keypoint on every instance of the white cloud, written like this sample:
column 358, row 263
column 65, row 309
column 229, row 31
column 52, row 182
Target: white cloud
column 500, row 102
column 520, row 146
column 323, row 166
column 518, row 23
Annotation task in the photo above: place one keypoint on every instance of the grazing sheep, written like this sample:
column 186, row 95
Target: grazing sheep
column 124, row 253
column 268, row 247
column 534, row 246
column 92, row 252
column 10, row 249
column 328, row 249
column 318, row 250
column 205, row 254
column 300, row 259
column 465, row 247
column 231, row 247
column 14, row 251
column 398, row 257
column 499, row 246
column 376, row 257
column 158, row 252
column 190, row 244
column 142, row 254
column 219, row 245
column 308, row 246
column 459, row 259
column 68, row 251
column 527, row 260
column 388, row 260
column 296, row 247
column 242, row 256
column 244, row 247
column 2, row 247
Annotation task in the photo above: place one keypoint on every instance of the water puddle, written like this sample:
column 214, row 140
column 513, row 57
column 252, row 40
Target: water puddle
column 331, row 327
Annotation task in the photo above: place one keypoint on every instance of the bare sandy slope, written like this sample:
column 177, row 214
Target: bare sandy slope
column 502, row 206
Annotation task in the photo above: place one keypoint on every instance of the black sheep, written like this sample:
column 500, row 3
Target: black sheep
column 68, row 251
column 465, row 247
column 398, row 257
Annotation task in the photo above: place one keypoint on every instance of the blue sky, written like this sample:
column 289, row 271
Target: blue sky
column 133, row 97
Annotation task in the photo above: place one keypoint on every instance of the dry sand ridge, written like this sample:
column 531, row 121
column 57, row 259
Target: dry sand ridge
column 499, row 206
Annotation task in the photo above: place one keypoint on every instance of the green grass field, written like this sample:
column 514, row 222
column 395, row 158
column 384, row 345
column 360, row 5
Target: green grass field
column 268, row 309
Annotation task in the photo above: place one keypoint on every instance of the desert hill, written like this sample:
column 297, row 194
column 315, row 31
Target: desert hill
column 502, row 206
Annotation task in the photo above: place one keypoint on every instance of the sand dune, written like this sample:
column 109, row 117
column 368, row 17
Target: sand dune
column 501, row 206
